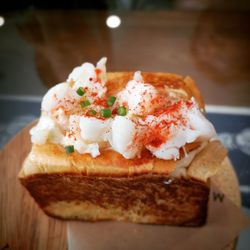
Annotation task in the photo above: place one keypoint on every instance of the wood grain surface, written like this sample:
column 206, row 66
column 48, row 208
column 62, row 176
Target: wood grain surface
column 24, row 226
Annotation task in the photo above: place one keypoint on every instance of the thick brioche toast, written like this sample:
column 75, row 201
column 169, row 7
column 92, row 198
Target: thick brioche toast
column 110, row 187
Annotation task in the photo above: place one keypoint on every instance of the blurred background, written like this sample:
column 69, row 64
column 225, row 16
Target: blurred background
column 41, row 41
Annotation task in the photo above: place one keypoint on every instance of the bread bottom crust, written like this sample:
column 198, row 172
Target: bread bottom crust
column 153, row 199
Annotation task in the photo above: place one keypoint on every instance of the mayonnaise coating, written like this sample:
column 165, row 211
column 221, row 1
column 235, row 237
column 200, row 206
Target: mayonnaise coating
column 93, row 129
column 138, row 96
column 73, row 137
column 122, row 137
column 52, row 98
column 46, row 129
column 186, row 125
column 90, row 77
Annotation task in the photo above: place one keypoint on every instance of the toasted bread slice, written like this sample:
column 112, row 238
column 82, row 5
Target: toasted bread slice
column 110, row 187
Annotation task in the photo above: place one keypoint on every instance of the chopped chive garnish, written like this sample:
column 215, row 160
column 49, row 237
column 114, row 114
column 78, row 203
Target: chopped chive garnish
column 85, row 103
column 91, row 112
column 80, row 91
column 122, row 111
column 106, row 113
column 69, row 149
column 111, row 100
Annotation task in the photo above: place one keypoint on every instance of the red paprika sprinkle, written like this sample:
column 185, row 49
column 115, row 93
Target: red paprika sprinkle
column 98, row 71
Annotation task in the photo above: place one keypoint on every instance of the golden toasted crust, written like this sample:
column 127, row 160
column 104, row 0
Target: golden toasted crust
column 142, row 199
column 52, row 158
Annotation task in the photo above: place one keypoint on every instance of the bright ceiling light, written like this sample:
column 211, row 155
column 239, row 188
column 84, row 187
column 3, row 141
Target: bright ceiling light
column 113, row 21
column 1, row 21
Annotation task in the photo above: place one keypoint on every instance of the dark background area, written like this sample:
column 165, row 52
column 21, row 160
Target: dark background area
column 127, row 4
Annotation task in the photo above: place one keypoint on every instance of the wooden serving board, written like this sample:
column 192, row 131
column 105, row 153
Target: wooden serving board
column 24, row 226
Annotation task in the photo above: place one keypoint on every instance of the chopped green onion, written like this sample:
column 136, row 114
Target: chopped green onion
column 69, row 149
column 122, row 111
column 106, row 113
column 85, row 103
column 111, row 100
column 80, row 91
column 91, row 112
